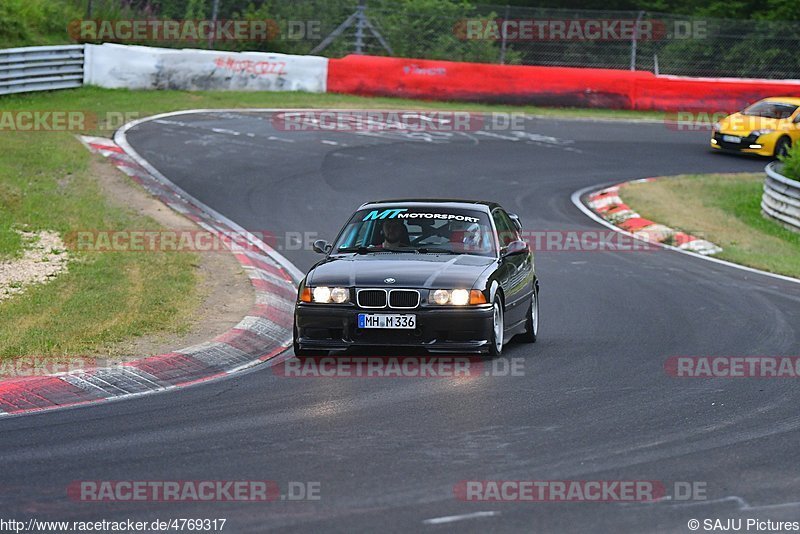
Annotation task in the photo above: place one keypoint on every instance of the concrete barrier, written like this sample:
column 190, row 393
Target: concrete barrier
column 139, row 67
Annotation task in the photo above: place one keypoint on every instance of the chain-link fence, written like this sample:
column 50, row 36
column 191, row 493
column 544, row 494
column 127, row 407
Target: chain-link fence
column 665, row 44
column 459, row 31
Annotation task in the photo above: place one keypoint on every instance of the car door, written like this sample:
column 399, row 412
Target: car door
column 516, row 270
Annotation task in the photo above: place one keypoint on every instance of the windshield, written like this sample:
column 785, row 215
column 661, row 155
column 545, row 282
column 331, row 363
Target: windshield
column 770, row 110
column 418, row 230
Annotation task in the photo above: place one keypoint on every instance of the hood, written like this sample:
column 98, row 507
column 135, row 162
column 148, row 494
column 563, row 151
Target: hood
column 424, row 271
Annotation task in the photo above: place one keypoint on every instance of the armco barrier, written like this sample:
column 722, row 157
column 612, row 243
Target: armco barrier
column 560, row 86
column 140, row 67
column 781, row 198
column 40, row 68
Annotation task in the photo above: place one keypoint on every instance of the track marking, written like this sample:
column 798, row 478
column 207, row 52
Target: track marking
column 453, row 518
column 225, row 131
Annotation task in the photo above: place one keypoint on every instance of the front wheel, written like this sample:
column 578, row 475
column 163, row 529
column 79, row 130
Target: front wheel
column 532, row 321
column 782, row 147
column 498, row 329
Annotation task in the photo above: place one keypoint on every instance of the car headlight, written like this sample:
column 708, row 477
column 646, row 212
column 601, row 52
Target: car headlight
column 765, row 131
column 325, row 295
column 441, row 296
column 457, row 297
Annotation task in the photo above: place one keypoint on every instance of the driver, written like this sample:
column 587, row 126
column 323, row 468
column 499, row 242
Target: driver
column 466, row 236
column 472, row 237
column 395, row 234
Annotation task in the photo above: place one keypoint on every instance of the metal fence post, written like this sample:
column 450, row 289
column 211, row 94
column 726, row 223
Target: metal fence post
column 634, row 38
column 503, row 37
column 214, row 13
column 360, row 26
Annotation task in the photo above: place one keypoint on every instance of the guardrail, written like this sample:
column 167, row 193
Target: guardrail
column 40, row 68
column 781, row 198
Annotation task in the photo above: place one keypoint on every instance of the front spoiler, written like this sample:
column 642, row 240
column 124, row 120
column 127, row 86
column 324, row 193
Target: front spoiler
column 334, row 328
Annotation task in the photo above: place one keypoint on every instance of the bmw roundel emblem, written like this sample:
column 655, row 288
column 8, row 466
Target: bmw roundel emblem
column 389, row 280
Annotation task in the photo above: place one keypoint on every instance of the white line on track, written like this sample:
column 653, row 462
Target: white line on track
column 453, row 518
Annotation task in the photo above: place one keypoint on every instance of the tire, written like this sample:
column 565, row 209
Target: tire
column 498, row 325
column 532, row 322
column 782, row 146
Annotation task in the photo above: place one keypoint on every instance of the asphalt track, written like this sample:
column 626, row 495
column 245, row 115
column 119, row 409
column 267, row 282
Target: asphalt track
column 594, row 402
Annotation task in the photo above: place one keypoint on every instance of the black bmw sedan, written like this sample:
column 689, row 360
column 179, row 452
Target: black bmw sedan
column 443, row 275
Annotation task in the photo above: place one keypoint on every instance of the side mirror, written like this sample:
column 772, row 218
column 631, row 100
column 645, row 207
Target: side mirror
column 515, row 219
column 321, row 246
column 797, row 119
column 515, row 247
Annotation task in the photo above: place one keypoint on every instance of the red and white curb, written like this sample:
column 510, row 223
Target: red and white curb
column 608, row 204
column 578, row 197
column 263, row 334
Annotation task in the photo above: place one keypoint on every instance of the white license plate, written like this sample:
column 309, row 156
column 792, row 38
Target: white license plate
column 384, row 320
column 731, row 139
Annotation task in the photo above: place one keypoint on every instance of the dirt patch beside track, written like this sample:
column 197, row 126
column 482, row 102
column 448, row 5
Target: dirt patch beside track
column 225, row 294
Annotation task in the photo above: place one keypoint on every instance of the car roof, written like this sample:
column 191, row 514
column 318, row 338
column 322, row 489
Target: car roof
column 784, row 99
column 482, row 205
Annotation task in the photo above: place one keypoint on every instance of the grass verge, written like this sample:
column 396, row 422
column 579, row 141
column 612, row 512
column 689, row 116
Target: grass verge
column 726, row 210
column 104, row 298
column 45, row 184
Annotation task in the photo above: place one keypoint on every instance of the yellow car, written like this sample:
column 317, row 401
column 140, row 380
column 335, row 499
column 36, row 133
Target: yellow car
column 767, row 128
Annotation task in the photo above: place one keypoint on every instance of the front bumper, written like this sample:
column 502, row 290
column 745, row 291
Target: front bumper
column 766, row 142
column 439, row 329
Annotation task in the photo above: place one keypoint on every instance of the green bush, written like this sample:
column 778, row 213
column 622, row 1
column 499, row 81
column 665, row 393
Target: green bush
column 791, row 163
column 35, row 22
